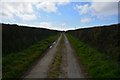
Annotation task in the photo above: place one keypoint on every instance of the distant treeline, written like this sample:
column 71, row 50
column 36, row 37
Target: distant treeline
column 105, row 39
column 16, row 38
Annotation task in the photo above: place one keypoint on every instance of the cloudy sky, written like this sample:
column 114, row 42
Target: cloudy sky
column 59, row 15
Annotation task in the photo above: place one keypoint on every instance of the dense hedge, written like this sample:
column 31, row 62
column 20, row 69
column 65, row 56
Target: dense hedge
column 16, row 38
column 103, row 38
column 98, row 65
column 15, row 64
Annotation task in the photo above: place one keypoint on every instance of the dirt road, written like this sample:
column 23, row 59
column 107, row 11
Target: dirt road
column 69, row 66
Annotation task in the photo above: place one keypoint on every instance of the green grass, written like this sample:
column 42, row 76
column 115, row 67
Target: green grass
column 98, row 65
column 54, row 70
column 16, row 63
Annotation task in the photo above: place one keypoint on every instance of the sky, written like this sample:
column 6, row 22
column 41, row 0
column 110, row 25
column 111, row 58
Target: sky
column 59, row 15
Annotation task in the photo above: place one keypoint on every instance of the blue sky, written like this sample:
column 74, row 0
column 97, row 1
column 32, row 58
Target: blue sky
column 60, row 15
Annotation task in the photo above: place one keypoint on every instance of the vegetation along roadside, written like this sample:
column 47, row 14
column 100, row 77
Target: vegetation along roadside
column 98, row 65
column 16, row 63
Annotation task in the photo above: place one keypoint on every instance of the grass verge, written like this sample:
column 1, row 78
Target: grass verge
column 54, row 70
column 98, row 65
column 16, row 63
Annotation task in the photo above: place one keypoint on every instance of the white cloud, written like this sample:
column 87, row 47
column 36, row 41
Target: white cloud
column 50, row 25
column 98, row 9
column 59, row 13
column 35, row 0
column 50, row 6
column 59, row 0
column 21, row 10
column 105, row 0
column 104, row 8
column 47, row 16
column 63, row 24
column 85, row 20
column 45, row 24
column 4, row 14
column 47, row 6
column 82, row 9
column 24, row 9
column 63, row 2
column 27, row 17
